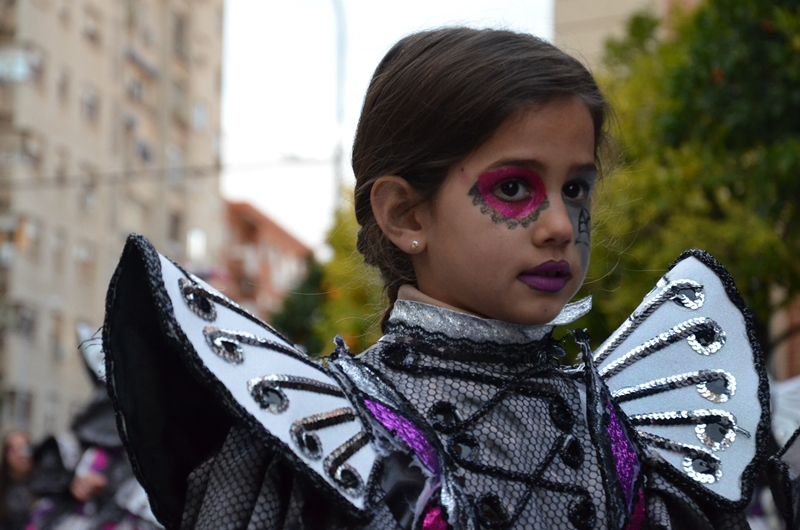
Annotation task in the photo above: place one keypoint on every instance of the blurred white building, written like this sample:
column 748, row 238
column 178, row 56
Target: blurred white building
column 581, row 27
column 109, row 124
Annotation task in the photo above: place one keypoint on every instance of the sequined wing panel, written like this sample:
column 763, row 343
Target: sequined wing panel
column 296, row 400
column 687, row 371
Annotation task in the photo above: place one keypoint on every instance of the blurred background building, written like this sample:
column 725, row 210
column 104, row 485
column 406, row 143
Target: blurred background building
column 109, row 124
column 581, row 27
column 263, row 260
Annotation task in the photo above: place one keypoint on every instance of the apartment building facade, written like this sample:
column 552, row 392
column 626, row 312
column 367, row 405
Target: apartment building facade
column 581, row 27
column 263, row 261
column 109, row 124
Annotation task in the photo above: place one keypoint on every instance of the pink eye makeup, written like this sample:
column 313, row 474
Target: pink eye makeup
column 511, row 195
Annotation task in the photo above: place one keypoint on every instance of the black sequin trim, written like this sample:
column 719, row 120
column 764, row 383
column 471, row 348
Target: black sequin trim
column 598, row 398
column 306, row 440
column 220, row 339
column 197, row 300
column 701, row 378
column 216, row 298
column 491, row 512
column 572, row 452
column 343, row 474
column 677, row 291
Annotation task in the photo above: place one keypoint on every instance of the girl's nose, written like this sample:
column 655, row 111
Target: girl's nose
column 554, row 226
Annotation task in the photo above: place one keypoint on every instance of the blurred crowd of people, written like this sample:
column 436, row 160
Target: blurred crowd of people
column 76, row 480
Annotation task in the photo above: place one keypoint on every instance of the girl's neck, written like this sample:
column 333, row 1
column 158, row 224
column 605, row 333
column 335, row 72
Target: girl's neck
column 411, row 293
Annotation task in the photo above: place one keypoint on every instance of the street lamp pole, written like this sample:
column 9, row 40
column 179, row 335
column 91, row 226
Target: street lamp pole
column 341, row 49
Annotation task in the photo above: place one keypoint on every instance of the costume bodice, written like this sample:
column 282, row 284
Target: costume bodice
column 510, row 421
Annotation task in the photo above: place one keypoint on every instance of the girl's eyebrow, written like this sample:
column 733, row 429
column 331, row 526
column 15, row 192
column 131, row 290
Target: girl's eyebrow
column 589, row 170
column 531, row 163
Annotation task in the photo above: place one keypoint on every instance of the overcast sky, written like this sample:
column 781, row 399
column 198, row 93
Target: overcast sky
column 279, row 91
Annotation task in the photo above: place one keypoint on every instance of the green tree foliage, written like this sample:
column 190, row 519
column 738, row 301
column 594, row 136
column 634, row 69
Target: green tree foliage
column 301, row 310
column 708, row 122
column 352, row 307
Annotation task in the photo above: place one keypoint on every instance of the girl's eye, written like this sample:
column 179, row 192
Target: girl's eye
column 576, row 191
column 512, row 191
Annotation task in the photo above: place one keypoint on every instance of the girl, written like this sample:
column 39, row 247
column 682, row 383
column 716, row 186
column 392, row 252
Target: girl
column 475, row 159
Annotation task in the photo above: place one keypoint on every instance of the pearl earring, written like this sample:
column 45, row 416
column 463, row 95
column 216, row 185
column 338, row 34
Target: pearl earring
column 414, row 245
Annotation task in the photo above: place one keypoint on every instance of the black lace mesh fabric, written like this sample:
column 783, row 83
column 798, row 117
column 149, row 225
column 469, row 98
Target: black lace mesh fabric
column 245, row 486
column 685, row 512
column 511, row 422
column 514, row 429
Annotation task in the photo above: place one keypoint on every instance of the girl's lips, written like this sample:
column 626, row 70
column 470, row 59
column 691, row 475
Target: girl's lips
column 550, row 276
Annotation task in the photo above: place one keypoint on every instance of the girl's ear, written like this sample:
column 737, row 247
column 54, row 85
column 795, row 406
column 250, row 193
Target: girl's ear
column 395, row 205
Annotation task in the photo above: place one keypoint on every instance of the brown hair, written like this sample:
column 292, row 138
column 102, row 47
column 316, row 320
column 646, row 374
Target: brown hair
column 435, row 98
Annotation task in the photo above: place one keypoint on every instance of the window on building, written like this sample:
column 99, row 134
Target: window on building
column 144, row 23
column 33, row 151
column 144, row 152
column 85, row 257
column 247, row 289
column 90, row 104
column 56, row 331
column 62, row 166
column 178, row 102
column 92, row 24
column 20, row 64
column 29, row 236
column 87, row 195
column 135, row 90
column 25, row 321
column 8, row 234
column 64, row 10
column 63, row 85
column 200, row 116
column 175, row 227
column 196, row 243
column 17, row 408
column 4, row 279
column 180, row 36
column 176, row 163
column 58, row 249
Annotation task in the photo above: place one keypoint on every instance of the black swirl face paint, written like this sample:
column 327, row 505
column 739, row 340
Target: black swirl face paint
column 582, row 226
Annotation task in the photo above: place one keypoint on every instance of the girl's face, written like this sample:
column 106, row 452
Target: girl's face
column 508, row 234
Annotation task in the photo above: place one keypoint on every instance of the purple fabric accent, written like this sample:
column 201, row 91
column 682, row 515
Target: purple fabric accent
column 433, row 520
column 624, row 455
column 637, row 516
column 100, row 461
column 406, row 430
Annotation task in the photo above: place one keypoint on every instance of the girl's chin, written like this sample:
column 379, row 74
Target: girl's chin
column 535, row 314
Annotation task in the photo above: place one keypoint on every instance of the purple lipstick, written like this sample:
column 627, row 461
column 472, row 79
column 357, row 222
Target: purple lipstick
column 550, row 276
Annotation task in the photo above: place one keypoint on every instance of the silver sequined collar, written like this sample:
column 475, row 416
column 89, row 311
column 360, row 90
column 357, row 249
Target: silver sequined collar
column 459, row 325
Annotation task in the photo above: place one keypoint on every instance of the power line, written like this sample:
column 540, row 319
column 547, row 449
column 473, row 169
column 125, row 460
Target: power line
column 179, row 173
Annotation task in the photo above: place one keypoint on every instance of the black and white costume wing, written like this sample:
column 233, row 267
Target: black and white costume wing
column 163, row 322
column 687, row 371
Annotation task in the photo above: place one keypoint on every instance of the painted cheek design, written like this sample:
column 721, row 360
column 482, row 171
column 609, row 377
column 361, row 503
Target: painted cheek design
column 520, row 212
column 584, row 228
